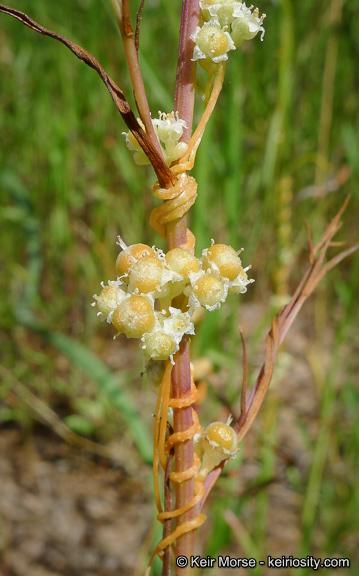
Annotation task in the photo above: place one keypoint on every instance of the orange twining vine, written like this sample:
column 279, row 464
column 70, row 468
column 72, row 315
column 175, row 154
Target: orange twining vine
column 180, row 197
column 178, row 200
column 162, row 448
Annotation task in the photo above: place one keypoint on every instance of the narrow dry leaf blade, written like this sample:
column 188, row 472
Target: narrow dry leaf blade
column 260, row 390
column 280, row 327
column 163, row 173
column 138, row 25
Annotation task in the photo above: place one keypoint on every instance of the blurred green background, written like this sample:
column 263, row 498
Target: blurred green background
column 282, row 146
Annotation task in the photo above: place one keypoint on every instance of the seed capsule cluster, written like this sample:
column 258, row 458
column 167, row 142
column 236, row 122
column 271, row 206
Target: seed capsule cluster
column 214, row 444
column 139, row 302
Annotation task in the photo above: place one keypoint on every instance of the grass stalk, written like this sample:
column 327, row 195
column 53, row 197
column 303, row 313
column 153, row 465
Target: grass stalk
column 326, row 109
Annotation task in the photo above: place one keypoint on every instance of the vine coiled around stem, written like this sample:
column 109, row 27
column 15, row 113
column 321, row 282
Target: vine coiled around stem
column 178, row 199
column 161, row 453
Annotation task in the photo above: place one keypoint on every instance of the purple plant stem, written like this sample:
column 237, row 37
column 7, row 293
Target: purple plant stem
column 186, row 68
column 177, row 237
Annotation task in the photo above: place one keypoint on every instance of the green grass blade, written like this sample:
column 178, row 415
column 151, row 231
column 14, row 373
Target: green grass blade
column 82, row 357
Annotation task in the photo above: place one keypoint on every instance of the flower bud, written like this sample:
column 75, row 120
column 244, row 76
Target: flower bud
column 159, row 345
column 225, row 14
column 107, row 300
column 222, row 435
column 212, row 41
column 134, row 316
column 225, row 259
column 130, row 256
column 132, row 144
column 209, row 290
column 214, row 444
column 182, row 261
column 246, row 24
column 146, row 275
column 219, row 10
column 239, row 285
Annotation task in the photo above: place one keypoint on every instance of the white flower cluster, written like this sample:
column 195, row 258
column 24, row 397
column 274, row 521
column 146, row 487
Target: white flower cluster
column 226, row 24
column 169, row 129
column 147, row 275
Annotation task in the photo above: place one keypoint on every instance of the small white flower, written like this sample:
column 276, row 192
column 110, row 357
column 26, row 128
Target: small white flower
column 178, row 323
column 239, row 284
column 108, row 300
column 222, row 10
column 169, row 129
column 207, row 290
column 231, row 271
column 212, row 41
column 164, row 340
column 246, row 24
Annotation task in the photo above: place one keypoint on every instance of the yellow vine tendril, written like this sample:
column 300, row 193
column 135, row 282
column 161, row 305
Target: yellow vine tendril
column 178, row 200
column 162, row 449
column 180, row 197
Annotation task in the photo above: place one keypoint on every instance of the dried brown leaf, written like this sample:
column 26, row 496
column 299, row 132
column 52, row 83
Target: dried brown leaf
column 281, row 324
column 164, row 175
column 138, row 25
